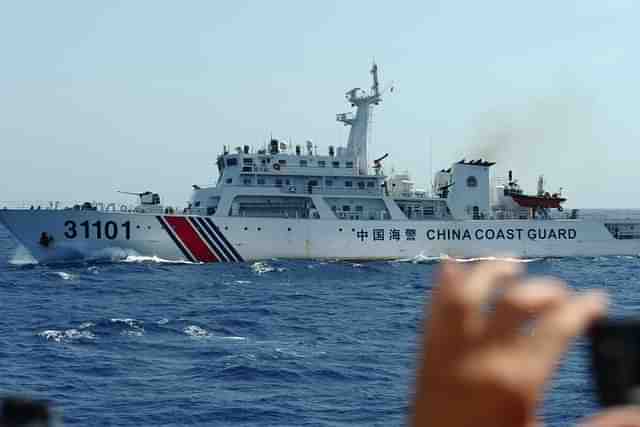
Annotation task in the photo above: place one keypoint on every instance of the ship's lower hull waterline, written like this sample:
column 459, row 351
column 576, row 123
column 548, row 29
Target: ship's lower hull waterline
column 75, row 235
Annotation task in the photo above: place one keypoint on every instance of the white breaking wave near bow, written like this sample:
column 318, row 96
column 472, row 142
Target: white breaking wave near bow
column 153, row 259
column 22, row 257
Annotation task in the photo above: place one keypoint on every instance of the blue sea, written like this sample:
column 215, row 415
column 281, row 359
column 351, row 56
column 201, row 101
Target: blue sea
column 277, row 343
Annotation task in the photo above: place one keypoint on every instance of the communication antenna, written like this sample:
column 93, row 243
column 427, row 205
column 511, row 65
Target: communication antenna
column 374, row 72
column 430, row 166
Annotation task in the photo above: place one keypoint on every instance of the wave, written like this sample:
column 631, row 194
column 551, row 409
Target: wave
column 131, row 327
column 423, row 259
column 196, row 331
column 261, row 267
column 113, row 254
column 152, row 259
column 22, row 257
column 64, row 275
column 199, row 332
column 66, row 335
column 491, row 258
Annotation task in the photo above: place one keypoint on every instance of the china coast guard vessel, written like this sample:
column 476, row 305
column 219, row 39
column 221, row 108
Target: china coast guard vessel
column 292, row 202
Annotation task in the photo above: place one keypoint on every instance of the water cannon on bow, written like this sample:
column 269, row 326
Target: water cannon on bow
column 377, row 163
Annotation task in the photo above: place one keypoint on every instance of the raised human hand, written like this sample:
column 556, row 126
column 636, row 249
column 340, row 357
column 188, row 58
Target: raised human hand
column 492, row 341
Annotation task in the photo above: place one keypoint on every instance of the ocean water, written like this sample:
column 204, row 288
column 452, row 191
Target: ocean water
column 282, row 343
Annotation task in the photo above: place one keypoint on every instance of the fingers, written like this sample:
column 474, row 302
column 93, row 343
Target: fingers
column 559, row 325
column 463, row 293
column 616, row 417
column 485, row 279
column 525, row 302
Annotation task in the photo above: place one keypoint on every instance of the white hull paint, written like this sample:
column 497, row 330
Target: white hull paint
column 245, row 239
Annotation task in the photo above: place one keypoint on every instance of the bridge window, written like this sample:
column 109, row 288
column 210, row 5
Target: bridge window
column 247, row 161
column 278, row 182
column 472, row 181
column 247, row 181
column 349, row 165
column 335, row 164
column 303, row 163
column 229, row 180
column 232, row 161
column 322, row 163
column 348, row 184
column 328, row 183
column 361, row 185
column 260, row 181
column 282, row 162
column 370, row 184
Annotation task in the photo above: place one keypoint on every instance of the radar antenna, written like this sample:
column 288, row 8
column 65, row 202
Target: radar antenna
column 358, row 135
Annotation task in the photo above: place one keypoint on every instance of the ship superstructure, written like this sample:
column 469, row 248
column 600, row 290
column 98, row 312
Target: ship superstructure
column 288, row 200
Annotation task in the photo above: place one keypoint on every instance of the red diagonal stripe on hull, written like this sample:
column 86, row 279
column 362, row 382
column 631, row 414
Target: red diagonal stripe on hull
column 191, row 239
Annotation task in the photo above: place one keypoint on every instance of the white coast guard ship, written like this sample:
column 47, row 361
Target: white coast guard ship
column 292, row 202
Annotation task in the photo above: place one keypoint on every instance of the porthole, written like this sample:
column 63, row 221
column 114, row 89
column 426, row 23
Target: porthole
column 246, row 228
column 340, row 229
column 288, row 228
column 353, row 229
column 259, row 228
column 226, row 228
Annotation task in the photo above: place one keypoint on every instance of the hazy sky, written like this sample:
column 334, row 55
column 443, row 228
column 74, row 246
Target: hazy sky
column 99, row 96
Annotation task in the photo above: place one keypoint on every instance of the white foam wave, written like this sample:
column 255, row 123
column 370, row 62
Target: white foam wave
column 491, row 258
column 65, row 276
column 87, row 325
column 154, row 259
column 22, row 257
column 163, row 321
column 133, row 323
column 423, row 259
column 135, row 327
column 234, row 338
column 261, row 267
column 67, row 335
column 196, row 331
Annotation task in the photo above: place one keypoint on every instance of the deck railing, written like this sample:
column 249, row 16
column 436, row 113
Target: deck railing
column 37, row 205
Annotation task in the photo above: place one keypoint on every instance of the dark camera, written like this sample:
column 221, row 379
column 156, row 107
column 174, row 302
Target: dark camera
column 19, row 412
column 615, row 357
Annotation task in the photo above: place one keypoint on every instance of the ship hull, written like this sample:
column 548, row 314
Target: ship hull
column 76, row 235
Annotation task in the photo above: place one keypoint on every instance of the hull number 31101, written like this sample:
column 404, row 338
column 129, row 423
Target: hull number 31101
column 97, row 230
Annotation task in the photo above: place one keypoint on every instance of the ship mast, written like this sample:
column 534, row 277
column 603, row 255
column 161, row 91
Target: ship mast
column 364, row 102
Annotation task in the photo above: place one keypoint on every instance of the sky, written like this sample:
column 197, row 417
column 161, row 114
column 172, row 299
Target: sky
column 103, row 96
